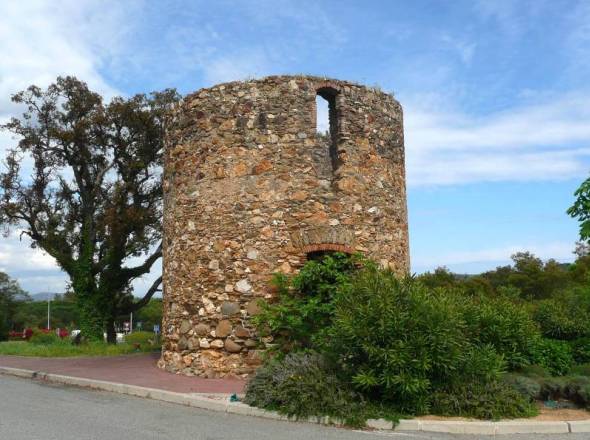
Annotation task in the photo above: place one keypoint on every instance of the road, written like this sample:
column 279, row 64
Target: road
column 32, row 410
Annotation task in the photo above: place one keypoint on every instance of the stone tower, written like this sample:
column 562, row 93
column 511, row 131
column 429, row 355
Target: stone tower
column 251, row 189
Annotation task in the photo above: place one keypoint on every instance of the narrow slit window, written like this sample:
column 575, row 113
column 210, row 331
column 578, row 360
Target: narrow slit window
column 322, row 116
column 327, row 123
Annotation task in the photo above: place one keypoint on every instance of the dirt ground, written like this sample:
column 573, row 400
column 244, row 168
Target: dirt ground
column 545, row 414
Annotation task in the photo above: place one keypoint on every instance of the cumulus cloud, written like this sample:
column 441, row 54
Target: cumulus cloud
column 29, row 265
column 41, row 40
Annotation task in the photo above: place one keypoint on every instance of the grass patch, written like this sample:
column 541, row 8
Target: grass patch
column 67, row 349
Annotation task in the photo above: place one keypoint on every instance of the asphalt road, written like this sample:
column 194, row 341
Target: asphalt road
column 31, row 410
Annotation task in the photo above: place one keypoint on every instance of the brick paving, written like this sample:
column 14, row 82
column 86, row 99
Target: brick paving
column 136, row 369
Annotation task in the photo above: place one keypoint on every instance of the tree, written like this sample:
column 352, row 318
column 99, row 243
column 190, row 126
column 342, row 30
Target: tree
column 94, row 198
column 535, row 279
column 580, row 210
column 10, row 295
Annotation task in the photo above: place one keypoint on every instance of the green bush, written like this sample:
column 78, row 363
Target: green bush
column 525, row 386
column 581, row 370
column 304, row 307
column 565, row 316
column 577, row 389
column 505, row 325
column 402, row 345
column 40, row 337
column 534, row 371
column 482, row 400
column 556, row 356
column 303, row 385
column 553, row 388
column 141, row 338
column 581, row 350
column 398, row 340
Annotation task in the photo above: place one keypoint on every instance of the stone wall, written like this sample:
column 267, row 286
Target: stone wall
column 251, row 189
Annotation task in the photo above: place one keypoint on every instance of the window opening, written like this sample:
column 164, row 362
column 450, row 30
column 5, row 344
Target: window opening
column 327, row 123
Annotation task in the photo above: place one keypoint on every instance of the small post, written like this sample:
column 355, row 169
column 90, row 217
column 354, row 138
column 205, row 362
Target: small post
column 48, row 311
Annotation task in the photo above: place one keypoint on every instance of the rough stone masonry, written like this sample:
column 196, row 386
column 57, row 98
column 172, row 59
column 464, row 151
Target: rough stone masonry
column 251, row 189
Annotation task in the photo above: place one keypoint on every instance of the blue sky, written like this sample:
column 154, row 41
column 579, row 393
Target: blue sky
column 495, row 93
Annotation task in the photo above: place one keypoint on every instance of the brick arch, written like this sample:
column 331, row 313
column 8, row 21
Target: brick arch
column 328, row 247
column 324, row 239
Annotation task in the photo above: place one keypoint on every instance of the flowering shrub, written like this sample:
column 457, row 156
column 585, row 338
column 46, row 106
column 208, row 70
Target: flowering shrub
column 28, row 333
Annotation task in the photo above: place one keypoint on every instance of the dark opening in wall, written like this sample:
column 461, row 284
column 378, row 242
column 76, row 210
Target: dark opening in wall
column 327, row 122
column 318, row 255
column 319, row 251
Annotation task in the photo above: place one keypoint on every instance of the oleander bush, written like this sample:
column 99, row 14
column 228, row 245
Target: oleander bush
column 391, row 341
column 554, row 355
column 563, row 318
column 505, row 325
column 382, row 345
column 399, row 341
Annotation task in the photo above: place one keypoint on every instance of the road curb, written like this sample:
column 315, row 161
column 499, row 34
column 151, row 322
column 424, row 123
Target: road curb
column 202, row 402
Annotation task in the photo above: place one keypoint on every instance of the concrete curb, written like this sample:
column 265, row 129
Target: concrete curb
column 201, row 401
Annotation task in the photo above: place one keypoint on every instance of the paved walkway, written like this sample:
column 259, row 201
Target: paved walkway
column 136, row 369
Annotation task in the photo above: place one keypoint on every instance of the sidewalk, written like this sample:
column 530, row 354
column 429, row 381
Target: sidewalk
column 136, row 369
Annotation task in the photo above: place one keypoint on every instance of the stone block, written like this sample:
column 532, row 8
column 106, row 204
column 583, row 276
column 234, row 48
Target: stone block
column 379, row 424
column 579, row 426
column 408, row 425
column 531, row 427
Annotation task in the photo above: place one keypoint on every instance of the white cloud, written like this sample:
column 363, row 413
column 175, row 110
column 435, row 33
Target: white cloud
column 41, row 40
column 547, row 140
column 34, row 269
column 251, row 64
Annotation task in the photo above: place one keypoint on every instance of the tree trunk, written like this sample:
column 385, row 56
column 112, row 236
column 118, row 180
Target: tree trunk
column 91, row 322
column 111, row 333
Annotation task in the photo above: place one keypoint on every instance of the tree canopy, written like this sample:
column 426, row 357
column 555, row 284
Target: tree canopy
column 10, row 294
column 84, row 183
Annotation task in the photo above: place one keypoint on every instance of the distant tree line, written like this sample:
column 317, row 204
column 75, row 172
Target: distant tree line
column 528, row 278
column 18, row 311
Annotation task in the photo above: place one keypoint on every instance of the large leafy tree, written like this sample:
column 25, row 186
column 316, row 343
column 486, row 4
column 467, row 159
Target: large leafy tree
column 581, row 209
column 10, row 295
column 84, row 183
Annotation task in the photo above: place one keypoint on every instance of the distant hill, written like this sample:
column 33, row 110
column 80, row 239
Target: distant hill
column 42, row 296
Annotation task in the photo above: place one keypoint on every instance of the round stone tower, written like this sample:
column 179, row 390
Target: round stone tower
column 251, row 189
